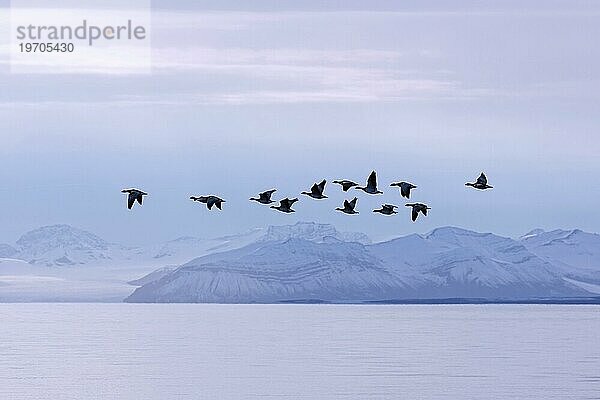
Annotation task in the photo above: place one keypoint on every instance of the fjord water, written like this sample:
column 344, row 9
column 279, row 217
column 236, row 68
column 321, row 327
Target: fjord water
column 194, row 351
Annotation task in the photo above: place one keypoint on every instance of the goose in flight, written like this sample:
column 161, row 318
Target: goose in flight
column 387, row 209
column 316, row 191
column 133, row 196
column 210, row 201
column 264, row 197
column 348, row 207
column 405, row 188
column 346, row 184
column 371, row 187
column 285, row 205
column 481, row 183
column 416, row 208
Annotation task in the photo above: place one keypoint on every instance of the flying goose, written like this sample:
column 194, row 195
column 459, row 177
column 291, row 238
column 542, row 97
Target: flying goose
column 285, row 205
column 346, row 184
column 316, row 191
column 416, row 207
column 264, row 197
column 405, row 188
column 348, row 207
column 387, row 209
column 481, row 183
column 371, row 187
column 134, row 194
column 209, row 200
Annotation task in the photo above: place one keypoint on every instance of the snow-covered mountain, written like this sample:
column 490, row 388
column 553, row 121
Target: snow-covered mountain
column 271, row 271
column 577, row 253
column 448, row 262
column 59, row 245
column 302, row 262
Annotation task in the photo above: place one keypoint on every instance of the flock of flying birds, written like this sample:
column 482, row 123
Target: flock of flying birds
column 316, row 192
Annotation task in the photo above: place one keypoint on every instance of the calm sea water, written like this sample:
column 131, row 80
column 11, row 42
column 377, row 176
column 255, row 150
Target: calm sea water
column 128, row 351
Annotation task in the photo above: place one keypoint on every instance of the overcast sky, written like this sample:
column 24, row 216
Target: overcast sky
column 245, row 97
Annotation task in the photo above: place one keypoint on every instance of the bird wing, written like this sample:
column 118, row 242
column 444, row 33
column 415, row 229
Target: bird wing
column 140, row 197
column 219, row 203
column 352, row 203
column 292, row 201
column 130, row 200
column 267, row 195
column 482, row 179
column 347, row 204
column 405, row 190
column 372, row 181
column 285, row 203
column 424, row 210
column 322, row 186
column 211, row 202
column 415, row 213
column 315, row 189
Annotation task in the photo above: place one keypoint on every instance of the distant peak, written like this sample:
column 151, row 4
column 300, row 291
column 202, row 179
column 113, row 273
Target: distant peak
column 534, row 232
column 312, row 231
column 61, row 236
column 451, row 231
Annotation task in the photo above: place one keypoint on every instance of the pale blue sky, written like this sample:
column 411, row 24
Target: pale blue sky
column 245, row 97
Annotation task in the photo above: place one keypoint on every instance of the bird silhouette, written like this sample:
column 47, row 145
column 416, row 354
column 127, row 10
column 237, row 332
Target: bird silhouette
column 133, row 196
column 316, row 191
column 264, row 197
column 285, row 205
column 348, row 207
column 481, row 183
column 416, row 208
column 387, row 209
column 405, row 188
column 346, row 184
column 209, row 200
column 371, row 187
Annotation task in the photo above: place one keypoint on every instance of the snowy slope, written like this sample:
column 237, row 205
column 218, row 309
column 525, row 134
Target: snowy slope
column 273, row 271
column 575, row 251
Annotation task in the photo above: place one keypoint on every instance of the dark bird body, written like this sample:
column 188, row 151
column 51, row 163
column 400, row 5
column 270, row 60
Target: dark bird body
column 264, row 197
column 371, row 187
column 285, row 205
column 481, row 183
column 416, row 208
column 348, row 207
column 316, row 191
column 387, row 209
column 405, row 188
column 133, row 196
column 210, row 201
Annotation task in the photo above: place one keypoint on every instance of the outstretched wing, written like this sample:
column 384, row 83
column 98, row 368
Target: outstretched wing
column 346, row 185
column 482, row 179
column 267, row 195
column 372, row 181
column 424, row 210
column 218, row 203
column 322, row 186
column 405, row 190
column 139, row 198
column 211, row 202
column 285, row 203
column 352, row 203
column 415, row 213
column 130, row 200
column 315, row 189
